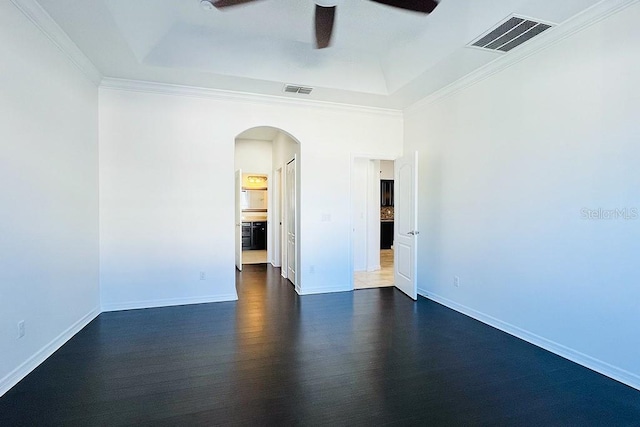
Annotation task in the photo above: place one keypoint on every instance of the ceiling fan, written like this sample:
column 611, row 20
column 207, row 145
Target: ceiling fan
column 326, row 11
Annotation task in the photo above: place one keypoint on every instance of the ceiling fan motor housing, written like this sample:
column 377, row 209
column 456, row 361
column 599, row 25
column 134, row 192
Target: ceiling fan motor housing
column 206, row 4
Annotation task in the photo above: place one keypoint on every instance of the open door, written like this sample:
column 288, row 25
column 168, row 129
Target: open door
column 406, row 217
column 238, row 191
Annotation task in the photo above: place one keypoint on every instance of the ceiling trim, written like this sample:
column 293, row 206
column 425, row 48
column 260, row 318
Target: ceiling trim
column 581, row 21
column 45, row 23
column 228, row 95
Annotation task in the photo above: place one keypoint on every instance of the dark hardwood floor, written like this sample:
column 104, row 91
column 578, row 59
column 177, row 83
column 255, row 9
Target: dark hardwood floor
column 273, row 358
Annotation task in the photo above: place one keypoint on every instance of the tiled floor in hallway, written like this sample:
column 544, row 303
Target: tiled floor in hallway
column 254, row 257
column 378, row 278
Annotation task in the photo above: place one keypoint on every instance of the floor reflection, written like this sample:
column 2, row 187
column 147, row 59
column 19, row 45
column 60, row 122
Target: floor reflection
column 372, row 356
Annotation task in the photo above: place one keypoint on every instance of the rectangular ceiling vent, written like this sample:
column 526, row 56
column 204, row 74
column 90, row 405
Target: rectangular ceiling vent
column 510, row 34
column 297, row 89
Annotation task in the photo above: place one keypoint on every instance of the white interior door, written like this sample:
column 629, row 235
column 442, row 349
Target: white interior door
column 406, row 217
column 291, row 220
column 238, row 221
column 277, row 219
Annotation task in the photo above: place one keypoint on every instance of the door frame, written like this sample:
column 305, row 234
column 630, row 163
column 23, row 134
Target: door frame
column 238, row 218
column 276, row 218
column 354, row 156
column 284, row 270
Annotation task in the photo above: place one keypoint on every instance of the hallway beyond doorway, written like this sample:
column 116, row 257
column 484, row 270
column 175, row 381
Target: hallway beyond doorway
column 254, row 257
column 377, row 278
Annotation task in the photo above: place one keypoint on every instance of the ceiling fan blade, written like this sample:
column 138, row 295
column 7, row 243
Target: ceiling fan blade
column 424, row 6
column 221, row 4
column 324, row 25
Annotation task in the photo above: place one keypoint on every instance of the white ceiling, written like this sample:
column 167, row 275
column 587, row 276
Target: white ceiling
column 380, row 56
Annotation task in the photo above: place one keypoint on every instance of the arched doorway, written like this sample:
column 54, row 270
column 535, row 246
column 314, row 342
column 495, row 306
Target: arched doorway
column 267, row 165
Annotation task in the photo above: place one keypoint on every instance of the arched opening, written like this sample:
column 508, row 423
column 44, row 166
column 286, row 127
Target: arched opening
column 267, row 187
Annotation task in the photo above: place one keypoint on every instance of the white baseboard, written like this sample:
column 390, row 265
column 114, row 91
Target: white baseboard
column 15, row 376
column 325, row 289
column 12, row 378
column 134, row 305
column 374, row 268
column 618, row 374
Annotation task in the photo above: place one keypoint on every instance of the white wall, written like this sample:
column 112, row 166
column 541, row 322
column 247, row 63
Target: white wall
column 253, row 156
column 359, row 210
column 166, row 191
column 507, row 166
column 284, row 148
column 373, row 229
column 386, row 169
column 48, row 195
column 365, row 211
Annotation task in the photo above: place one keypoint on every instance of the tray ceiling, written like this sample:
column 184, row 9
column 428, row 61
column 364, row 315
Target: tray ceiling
column 380, row 56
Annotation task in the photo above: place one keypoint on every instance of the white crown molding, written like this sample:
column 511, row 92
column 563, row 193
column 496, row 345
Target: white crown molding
column 45, row 23
column 228, row 95
column 579, row 22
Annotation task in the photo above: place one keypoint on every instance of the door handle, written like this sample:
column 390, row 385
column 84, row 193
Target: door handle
column 413, row 233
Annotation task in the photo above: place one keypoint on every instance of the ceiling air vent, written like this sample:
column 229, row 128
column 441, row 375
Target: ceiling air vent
column 510, row 33
column 297, row 89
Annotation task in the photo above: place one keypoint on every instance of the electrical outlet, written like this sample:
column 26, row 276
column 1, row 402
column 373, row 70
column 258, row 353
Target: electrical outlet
column 203, row 276
column 456, row 281
column 21, row 329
